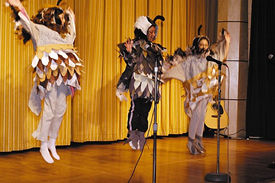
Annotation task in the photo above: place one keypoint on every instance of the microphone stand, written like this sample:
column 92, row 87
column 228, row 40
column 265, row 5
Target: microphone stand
column 218, row 177
column 155, row 125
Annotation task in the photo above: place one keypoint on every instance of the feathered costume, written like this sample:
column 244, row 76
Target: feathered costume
column 56, row 66
column 138, row 78
column 200, row 80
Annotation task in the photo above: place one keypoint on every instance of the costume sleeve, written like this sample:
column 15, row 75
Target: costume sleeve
column 176, row 71
column 127, row 57
column 125, row 78
column 22, row 21
column 25, row 21
column 219, row 49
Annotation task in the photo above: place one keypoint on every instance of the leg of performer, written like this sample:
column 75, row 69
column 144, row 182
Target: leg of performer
column 59, row 112
column 142, row 126
column 201, row 109
column 138, row 122
column 193, row 126
column 45, row 123
column 132, row 132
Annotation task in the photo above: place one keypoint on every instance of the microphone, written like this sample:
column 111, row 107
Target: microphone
column 270, row 56
column 149, row 48
column 211, row 59
column 157, row 53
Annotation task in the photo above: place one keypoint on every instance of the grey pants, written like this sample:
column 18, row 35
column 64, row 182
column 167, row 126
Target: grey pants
column 55, row 105
column 197, row 119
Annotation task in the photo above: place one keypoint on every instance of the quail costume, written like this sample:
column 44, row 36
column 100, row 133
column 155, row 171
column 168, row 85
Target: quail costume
column 200, row 80
column 56, row 67
column 138, row 78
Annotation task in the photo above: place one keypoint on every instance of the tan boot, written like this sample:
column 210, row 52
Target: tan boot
column 141, row 139
column 199, row 144
column 133, row 140
column 191, row 146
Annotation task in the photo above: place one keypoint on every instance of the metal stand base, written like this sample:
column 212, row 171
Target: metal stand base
column 214, row 177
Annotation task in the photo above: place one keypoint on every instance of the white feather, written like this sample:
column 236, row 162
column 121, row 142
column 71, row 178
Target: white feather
column 75, row 56
column 63, row 64
column 136, row 84
column 150, row 87
column 71, row 63
column 39, row 72
column 53, row 55
column 45, row 58
column 35, row 61
column 63, row 54
column 54, row 65
column 74, row 82
column 143, row 85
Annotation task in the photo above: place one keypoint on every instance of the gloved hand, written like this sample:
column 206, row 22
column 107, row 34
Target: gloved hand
column 121, row 96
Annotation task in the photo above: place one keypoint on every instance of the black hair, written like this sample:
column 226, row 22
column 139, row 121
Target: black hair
column 195, row 45
column 50, row 18
column 140, row 35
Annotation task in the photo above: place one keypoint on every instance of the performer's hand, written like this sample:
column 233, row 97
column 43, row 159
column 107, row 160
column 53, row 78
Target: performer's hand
column 121, row 96
column 16, row 3
column 71, row 12
column 166, row 66
column 226, row 35
column 129, row 44
column 227, row 38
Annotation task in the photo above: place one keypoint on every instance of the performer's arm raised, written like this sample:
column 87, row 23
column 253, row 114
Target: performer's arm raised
column 221, row 47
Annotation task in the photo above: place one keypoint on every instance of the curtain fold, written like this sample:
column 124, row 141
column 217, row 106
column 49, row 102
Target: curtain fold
column 94, row 114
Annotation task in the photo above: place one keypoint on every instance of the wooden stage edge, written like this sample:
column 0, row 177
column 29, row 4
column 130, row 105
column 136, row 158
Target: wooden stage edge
column 246, row 161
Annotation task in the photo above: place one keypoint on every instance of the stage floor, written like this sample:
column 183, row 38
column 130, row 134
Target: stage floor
column 114, row 162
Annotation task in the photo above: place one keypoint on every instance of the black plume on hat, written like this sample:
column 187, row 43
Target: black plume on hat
column 158, row 17
column 58, row 2
column 199, row 30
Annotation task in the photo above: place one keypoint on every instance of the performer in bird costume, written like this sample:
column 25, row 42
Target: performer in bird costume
column 140, row 56
column 200, row 80
column 56, row 66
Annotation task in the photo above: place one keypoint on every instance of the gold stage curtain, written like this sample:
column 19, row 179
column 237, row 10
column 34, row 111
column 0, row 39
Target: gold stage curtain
column 94, row 114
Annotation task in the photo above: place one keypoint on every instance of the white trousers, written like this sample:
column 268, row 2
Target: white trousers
column 55, row 105
column 196, row 124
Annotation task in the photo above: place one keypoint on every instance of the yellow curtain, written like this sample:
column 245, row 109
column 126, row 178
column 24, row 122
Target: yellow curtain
column 94, row 114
